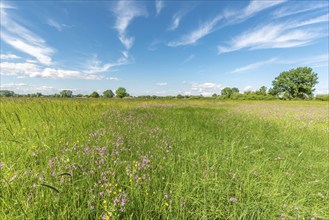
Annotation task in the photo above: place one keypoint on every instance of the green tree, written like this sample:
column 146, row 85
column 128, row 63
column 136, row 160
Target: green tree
column 295, row 83
column 235, row 90
column 94, row 95
column 179, row 96
column 262, row 91
column 66, row 93
column 6, row 93
column 121, row 92
column 227, row 91
column 108, row 94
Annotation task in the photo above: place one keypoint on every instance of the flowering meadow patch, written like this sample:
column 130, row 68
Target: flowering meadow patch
column 100, row 159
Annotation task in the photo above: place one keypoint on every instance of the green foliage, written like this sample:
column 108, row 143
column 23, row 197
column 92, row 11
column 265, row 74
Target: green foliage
column 262, row 91
column 6, row 93
column 121, row 92
column 179, row 96
column 66, row 93
column 227, row 92
column 108, row 94
column 295, row 83
column 94, row 95
column 322, row 97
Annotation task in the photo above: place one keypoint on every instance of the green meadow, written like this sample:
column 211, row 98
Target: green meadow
column 163, row 159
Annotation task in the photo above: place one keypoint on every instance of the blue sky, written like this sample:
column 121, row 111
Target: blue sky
column 159, row 47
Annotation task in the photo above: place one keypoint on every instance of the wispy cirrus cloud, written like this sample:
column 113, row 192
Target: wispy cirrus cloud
column 202, row 31
column 228, row 18
column 301, row 7
column 95, row 66
column 58, row 26
column 321, row 60
column 189, row 58
column 253, row 66
column 9, row 57
column 254, row 7
column 125, row 12
column 23, row 39
column 175, row 22
column 277, row 35
column 159, row 5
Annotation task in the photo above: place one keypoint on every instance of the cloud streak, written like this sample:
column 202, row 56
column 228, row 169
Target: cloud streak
column 125, row 12
column 56, row 25
column 230, row 17
column 175, row 22
column 254, row 65
column 159, row 5
column 202, row 31
column 298, row 8
column 9, row 57
column 23, row 39
column 279, row 35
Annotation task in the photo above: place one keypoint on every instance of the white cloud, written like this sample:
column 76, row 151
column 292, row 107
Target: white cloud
column 254, row 65
column 161, row 84
column 231, row 17
column 247, row 88
column 189, row 58
column 94, row 65
column 154, row 45
column 280, row 35
column 5, row 5
column 23, row 39
column 159, row 5
column 56, row 25
column 206, row 89
column 255, row 6
column 320, row 19
column 202, row 31
column 125, row 12
column 22, row 88
column 301, row 7
column 175, row 22
column 316, row 61
column 9, row 56
column 34, row 70
column 112, row 78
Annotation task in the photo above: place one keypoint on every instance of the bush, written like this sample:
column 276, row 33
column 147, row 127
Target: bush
column 324, row 97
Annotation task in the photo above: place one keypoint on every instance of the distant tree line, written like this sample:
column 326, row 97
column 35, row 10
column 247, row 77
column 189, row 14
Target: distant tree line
column 296, row 83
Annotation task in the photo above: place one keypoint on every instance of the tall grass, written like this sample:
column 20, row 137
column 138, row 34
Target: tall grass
column 94, row 159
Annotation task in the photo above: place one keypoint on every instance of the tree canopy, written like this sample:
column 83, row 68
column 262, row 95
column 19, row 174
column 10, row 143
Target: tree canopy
column 121, row 92
column 108, row 94
column 295, row 83
column 94, row 95
column 227, row 91
column 66, row 93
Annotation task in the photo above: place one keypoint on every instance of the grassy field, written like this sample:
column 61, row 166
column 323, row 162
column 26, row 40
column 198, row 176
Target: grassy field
column 167, row 159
